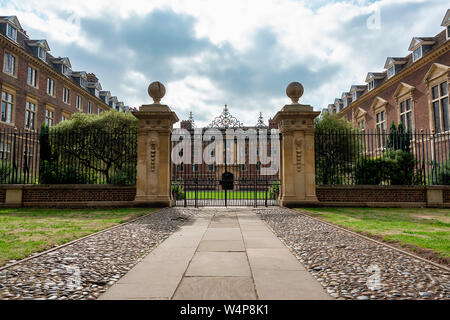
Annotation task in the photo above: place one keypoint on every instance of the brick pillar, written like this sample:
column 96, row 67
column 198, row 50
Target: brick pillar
column 296, row 124
column 153, row 150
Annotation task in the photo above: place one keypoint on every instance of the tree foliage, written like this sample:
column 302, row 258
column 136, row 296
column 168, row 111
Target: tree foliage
column 337, row 143
column 99, row 145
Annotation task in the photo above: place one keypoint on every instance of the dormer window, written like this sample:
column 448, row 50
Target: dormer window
column 371, row 85
column 354, row 96
column 41, row 53
column 391, row 71
column 448, row 32
column 417, row 54
column 83, row 82
column 11, row 32
column 65, row 69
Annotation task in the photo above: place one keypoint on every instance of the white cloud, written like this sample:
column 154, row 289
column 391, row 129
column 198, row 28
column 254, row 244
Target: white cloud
column 314, row 35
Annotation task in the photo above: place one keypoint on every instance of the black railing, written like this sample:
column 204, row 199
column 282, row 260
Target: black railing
column 346, row 157
column 68, row 157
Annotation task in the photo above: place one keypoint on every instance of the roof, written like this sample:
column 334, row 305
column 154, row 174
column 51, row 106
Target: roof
column 359, row 87
column 63, row 60
column 375, row 75
column 446, row 20
column 395, row 60
column 419, row 41
column 38, row 43
column 13, row 20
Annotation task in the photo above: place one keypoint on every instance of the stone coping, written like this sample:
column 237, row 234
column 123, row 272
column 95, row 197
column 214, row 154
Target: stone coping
column 66, row 186
column 438, row 187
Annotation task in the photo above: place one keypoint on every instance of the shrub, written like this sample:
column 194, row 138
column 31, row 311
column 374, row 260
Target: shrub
column 443, row 176
column 177, row 191
column 125, row 175
column 370, row 171
column 401, row 167
column 274, row 190
column 51, row 173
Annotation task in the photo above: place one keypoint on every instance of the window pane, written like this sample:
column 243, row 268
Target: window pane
column 408, row 104
column 443, row 89
column 409, row 121
column 435, row 92
column 437, row 120
column 403, row 119
column 402, row 107
column 445, row 113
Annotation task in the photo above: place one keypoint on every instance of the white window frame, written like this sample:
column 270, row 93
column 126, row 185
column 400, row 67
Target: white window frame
column 405, row 112
column 439, row 100
column 380, row 125
column 40, row 55
column 50, row 87
column 79, row 102
column 49, row 117
column 354, row 95
column 414, row 53
column 9, row 64
column 8, row 102
column 9, row 28
column 32, row 76
column 371, row 85
column 89, row 110
column 392, row 67
column 30, row 115
column 66, row 95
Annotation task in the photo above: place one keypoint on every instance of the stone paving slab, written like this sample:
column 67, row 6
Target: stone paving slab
column 219, row 264
column 221, row 245
column 216, row 288
column 230, row 255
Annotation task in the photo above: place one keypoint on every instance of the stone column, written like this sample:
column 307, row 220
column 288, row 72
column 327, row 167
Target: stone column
column 296, row 124
column 153, row 150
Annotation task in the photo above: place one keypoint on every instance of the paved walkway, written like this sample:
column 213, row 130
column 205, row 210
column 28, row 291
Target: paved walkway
column 222, row 254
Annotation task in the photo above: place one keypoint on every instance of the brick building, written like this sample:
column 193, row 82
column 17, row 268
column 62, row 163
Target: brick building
column 37, row 87
column 412, row 90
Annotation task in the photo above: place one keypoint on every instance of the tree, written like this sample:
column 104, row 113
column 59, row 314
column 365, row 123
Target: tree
column 399, row 138
column 100, row 144
column 337, row 143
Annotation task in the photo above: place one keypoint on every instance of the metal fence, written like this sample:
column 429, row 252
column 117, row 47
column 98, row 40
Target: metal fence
column 66, row 157
column 372, row 157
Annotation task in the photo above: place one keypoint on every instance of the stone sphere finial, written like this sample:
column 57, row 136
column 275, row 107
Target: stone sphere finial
column 294, row 91
column 156, row 91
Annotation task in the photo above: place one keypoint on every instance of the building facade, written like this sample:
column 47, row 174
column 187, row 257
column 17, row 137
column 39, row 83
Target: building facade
column 37, row 87
column 412, row 90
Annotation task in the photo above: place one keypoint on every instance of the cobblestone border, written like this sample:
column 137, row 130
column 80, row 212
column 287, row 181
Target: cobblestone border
column 352, row 266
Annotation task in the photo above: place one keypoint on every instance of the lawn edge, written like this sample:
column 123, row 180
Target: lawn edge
column 356, row 233
column 32, row 256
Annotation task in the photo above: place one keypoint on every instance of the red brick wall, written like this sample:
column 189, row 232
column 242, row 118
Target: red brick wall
column 446, row 196
column 78, row 194
column 421, row 111
column 371, row 194
column 22, row 89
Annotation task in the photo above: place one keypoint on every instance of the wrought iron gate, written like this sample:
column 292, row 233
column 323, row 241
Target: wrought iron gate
column 223, row 184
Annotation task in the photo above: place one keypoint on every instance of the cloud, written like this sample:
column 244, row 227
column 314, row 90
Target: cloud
column 242, row 53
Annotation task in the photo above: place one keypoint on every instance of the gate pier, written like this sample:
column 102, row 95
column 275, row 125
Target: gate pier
column 296, row 124
column 155, row 124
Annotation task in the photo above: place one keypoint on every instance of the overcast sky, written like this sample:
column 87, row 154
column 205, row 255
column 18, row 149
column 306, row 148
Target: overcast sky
column 242, row 53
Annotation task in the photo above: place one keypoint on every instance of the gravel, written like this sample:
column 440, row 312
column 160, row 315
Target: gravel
column 85, row 269
column 351, row 267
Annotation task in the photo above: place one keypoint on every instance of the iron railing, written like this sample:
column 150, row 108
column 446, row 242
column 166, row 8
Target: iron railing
column 56, row 157
column 346, row 157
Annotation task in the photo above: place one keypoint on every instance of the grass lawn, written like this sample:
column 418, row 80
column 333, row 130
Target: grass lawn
column 235, row 195
column 425, row 228
column 25, row 231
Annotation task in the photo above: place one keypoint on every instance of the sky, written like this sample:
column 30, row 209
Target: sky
column 209, row 53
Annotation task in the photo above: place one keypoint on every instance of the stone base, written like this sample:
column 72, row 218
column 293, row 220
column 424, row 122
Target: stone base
column 298, row 203
column 145, row 201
